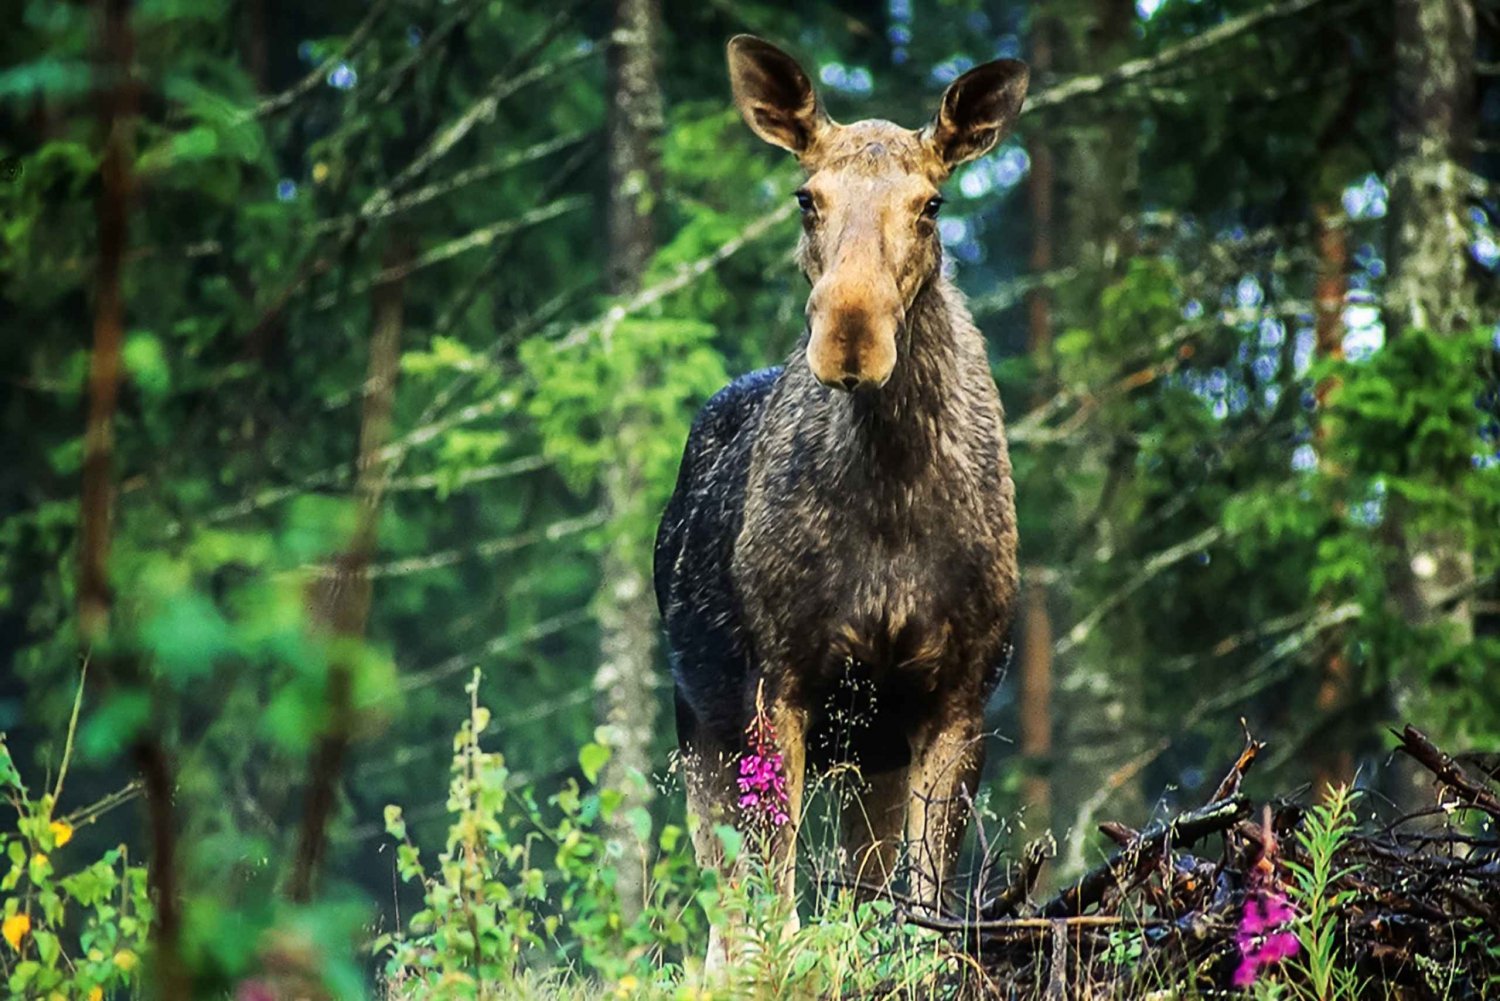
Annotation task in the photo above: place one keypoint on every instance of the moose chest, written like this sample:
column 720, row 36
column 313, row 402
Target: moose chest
column 905, row 580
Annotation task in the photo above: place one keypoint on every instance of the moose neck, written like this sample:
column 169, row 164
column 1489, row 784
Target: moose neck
column 893, row 431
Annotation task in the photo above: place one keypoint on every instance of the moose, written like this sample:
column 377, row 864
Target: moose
column 845, row 522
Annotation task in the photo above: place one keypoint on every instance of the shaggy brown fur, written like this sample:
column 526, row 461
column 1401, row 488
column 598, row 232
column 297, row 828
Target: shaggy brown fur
column 847, row 523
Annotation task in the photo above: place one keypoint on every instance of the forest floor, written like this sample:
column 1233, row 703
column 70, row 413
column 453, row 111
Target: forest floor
column 1299, row 902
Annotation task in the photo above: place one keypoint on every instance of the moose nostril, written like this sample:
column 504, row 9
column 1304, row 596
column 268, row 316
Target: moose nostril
column 849, row 382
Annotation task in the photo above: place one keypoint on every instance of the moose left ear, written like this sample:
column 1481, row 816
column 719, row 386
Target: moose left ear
column 978, row 111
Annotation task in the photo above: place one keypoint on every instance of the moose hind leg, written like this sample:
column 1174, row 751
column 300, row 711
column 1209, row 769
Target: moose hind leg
column 947, row 757
column 872, row 822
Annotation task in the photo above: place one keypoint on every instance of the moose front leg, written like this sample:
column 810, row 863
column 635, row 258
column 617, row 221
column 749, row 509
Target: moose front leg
column 788, row 721
column 947, row 756
column 713, row 770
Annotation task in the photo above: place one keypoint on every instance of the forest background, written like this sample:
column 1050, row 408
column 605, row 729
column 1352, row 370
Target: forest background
column 346, row 348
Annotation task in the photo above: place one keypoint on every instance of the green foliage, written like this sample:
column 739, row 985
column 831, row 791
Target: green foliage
column 523, row 886
column 522, row 900
column 626, row 396
column 1171, row 407
column 1321, row 897
column 1411, row 417
column 71, row 927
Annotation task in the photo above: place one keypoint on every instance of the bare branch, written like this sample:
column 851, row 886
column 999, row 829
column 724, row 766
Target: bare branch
column 479, row 238
column 505, row 643
column 490, row 547
column 1158, row 563
column 684, row 276
column 1072, row 90
column 303, row 87
column 462, row 179
column 502, row 87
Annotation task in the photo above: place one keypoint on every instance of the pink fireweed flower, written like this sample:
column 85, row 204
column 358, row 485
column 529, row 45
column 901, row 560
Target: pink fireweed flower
column 762, row 778
column 1263, row 937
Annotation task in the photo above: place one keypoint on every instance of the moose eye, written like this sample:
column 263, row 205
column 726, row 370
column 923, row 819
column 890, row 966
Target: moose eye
column 805, row 201
column 933, row 207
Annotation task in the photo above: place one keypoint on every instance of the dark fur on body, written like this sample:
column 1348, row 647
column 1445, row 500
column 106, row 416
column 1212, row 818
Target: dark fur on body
column 815, row 533
column 841, row 546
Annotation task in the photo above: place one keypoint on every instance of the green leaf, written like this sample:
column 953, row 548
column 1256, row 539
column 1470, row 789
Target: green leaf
column 51, row 75
column 732, row 840
column 147, row 364
column 395, row 825
column 592, row 757
column 117, row 723
column 186, row 637
column 10, row 777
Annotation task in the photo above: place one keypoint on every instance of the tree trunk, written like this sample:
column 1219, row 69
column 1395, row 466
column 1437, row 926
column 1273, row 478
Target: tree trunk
column 625, row 681
column 340, row 598
column 1103, row 700
column 118, row 97
column 1333, row 757
column 1434, row 79
column 1428, row 289
column 1035, row 682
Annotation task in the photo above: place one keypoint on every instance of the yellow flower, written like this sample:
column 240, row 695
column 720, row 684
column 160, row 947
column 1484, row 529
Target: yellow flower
column 126, row 960
column 14, row 928
column 626, row 986
column 62, row 832
column 96, row 994
column 320, row 173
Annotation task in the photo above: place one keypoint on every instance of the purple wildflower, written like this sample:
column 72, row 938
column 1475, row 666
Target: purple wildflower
column 762, row 778
column 1263, row 937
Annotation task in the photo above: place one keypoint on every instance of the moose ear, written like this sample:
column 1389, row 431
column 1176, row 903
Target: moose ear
column 978, row 111
column 773, row 94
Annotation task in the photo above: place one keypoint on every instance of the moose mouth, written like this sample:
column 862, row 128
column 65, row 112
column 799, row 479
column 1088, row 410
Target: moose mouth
column 853, row 350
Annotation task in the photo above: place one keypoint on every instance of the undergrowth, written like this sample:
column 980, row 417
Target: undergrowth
column 522, row 901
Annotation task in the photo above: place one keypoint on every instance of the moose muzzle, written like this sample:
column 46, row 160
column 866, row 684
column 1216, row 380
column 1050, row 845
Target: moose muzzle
column 852, row 332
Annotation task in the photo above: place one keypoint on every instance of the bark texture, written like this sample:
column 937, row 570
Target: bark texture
column 625, row 681
column 1101, row 696
column 1429, row 287
column 117, row 95
column 1429, row 291
column 1333, row 761
column 1035, row 666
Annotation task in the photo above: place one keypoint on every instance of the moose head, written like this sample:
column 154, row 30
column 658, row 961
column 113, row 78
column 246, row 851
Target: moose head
column 870, row 200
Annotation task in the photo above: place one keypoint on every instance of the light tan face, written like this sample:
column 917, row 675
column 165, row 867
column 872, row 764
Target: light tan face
column 869, row 245
column 870, row 202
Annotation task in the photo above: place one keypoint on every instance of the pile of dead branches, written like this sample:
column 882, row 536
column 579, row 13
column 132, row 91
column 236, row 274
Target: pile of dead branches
column 1417, row 911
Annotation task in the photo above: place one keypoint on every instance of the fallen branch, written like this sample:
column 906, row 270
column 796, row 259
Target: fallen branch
column 1416, row 744
column 1185, row 829
column 1409, row 902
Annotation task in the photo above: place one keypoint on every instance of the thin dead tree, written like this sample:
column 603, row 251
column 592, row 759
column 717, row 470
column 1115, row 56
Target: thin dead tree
column 1333, row 760
column 340, row 599
column 1105, row 703
column 1429, row 288
column 626, row 608
column 117, row 100
column 1035, row 675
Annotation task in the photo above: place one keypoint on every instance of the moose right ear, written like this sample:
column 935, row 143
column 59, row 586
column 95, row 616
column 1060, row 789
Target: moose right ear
column 773, row 94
